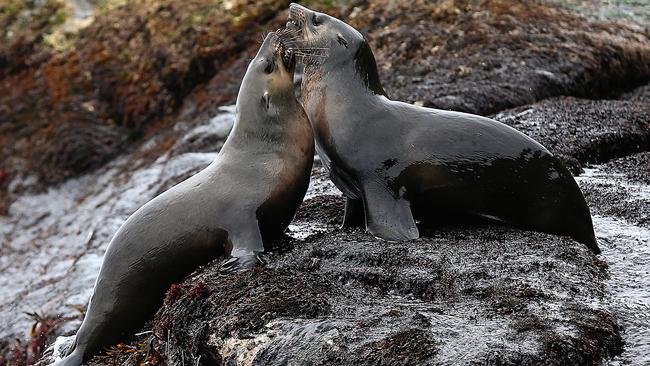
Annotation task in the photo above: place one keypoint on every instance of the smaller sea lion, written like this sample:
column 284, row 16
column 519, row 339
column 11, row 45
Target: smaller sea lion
column 244, row 199
column 396, row 162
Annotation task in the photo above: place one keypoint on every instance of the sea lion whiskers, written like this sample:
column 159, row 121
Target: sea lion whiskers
column 309, row 58
column 310, row 44
column 262, row 35
column 295, row 45
column 288, row 36
column 312, row 48
column 308, row 54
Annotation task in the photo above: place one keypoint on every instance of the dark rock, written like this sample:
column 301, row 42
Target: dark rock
column 640, row 94
column 581, row 131
column 483, row 57
column 76, row 148
column 618, row 188
column 634, row 168
column 344, row 297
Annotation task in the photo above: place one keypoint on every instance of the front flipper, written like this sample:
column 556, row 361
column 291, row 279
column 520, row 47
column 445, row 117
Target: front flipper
column 388, row 217
column 353, row 216
column 73, row 359
column 242, row 263
column 247, row 247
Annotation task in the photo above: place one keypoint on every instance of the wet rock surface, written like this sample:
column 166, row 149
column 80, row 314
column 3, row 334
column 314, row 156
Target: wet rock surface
column 345, row 297
column 619, row 196
column 581, row 131
column 621, row 188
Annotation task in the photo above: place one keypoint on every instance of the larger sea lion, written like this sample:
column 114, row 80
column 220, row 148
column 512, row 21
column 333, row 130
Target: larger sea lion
column 396, row 162
column 245, row 198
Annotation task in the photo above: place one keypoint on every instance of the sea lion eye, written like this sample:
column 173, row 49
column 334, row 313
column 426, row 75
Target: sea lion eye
column 270, row 66
column 342, row 41
column 315, row 20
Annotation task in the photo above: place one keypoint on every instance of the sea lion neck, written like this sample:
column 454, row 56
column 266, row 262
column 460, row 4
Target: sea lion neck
column 358, row 74
column 270, row 128
column 340, row 82
column 333, row 99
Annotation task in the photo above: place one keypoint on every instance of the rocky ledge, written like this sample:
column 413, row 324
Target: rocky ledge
column 482, row 294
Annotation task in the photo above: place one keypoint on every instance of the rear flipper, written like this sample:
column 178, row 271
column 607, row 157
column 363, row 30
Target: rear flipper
column 567, row 215
column 549, row 221
column 575, row 219
column 102, row 326
column 591, row 243
column 388, row 217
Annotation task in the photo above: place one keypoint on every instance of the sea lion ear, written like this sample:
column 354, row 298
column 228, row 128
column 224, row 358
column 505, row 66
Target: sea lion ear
column 266, row 100
column 341, row 40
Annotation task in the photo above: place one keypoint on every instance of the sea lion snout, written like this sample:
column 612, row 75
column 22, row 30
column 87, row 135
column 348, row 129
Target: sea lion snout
column 266, row 53
column 270, row 73
column 319, row 37
column 297, row 16
column 276, row 55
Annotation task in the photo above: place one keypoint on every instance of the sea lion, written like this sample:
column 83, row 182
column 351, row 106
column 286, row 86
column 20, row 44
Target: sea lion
column 396, row 162
column 242, row 200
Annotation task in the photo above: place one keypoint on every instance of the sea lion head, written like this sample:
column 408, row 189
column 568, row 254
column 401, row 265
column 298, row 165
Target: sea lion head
column 325, row 43
column 268, row 83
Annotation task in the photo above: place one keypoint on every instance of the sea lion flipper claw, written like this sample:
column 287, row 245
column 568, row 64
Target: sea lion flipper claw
column 229, row 266
column 251, row 261
column 242, row 263
column 388, row 218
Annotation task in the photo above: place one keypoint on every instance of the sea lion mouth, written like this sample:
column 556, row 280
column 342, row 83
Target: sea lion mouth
column 293, row 25
column 287, row 56
column 286, row 53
